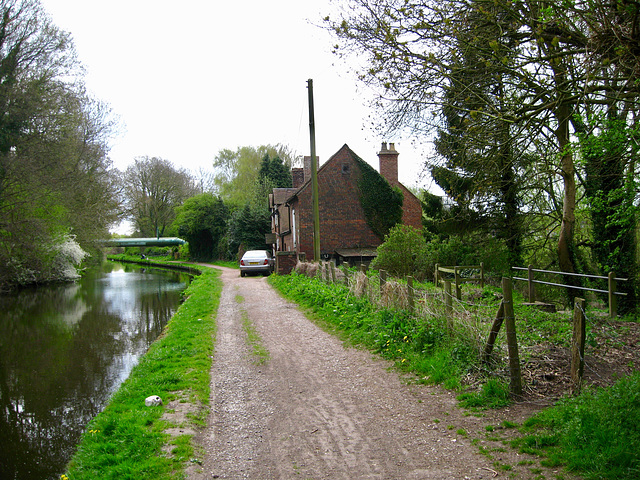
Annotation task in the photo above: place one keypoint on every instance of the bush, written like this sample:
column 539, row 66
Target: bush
column 454, row 251
column 404, row 252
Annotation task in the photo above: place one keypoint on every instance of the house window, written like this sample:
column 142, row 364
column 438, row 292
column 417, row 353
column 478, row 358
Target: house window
column 345, row 168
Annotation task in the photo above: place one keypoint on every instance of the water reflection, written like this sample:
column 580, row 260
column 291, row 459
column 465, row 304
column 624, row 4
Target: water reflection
column 64, row 350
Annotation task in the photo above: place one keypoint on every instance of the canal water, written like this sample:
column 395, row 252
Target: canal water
column 64, row 350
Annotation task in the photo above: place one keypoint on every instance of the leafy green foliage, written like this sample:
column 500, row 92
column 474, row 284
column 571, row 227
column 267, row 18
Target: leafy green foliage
column 55, row 177
column 275, row 172
column 403, row 253
column 596, row 433
column 237, row 172
column 470, row 251
column 611, row 192
column 247, row 229
column 202, row 222
column 382, row 203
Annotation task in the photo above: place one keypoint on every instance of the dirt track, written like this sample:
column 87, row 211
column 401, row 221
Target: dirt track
column 319, row 410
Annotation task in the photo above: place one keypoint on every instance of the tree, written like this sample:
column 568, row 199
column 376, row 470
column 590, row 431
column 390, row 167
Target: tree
column 249, row 224
column 611, row 190
column 153, row 189
column 531, row 71
column 202, row 221
column 236, row 172
column 56, row 181
column 480, row 168
column 275, row 172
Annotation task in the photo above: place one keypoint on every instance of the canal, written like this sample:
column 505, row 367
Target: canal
column 64, row 349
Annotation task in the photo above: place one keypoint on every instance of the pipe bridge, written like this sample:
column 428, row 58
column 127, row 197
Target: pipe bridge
column 144, row 242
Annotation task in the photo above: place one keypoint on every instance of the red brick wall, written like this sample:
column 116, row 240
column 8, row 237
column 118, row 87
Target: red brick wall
column 411, row 209
column 342, row 221
column 285, row 262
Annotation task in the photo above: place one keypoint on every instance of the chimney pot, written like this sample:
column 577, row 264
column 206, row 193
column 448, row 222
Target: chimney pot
column 388, row 158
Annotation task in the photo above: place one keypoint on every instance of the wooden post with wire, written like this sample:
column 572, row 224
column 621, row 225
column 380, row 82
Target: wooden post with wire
column 410, row 299
column 383, row 282
column 515, row 385
column 493, row 335
column 448, row 309
column 458, row 286
column 532, row 292
column 613, row 303
column 577, row 345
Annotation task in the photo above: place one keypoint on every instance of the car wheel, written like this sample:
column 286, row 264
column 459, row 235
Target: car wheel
column 242, row 274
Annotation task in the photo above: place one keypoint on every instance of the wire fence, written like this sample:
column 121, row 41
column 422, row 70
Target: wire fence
column 472, row 316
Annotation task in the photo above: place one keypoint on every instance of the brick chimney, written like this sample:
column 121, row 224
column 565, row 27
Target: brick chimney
column 389, row 163
column 297, row 176
column 307, row 167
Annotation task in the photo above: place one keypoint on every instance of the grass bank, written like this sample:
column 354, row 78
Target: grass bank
column 129, row 440
column 596, row 434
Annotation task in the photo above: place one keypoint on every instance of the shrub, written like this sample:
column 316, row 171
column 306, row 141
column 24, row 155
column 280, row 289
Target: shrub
column 404, row 252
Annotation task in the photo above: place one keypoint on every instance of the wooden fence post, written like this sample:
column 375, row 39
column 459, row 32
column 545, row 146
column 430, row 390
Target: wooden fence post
column 383, row 282
column 512, row 342
column 577, row 345
column 333, row 272
column 458, row 289
column 447, row 300
column 481, row 274
column 345, row 270
column 613, row 303
column 410, row 298
column 532, row 293
column 436, row 275
column 495, row 329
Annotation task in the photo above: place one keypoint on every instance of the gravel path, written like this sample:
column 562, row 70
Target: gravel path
column 319, row 410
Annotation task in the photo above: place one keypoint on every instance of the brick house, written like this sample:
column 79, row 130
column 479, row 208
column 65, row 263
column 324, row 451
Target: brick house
column 344, row 232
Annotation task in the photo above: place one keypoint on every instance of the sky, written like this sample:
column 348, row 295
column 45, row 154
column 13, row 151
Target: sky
column 188, row 79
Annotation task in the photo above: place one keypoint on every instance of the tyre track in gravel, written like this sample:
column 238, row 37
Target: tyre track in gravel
column 317, row 409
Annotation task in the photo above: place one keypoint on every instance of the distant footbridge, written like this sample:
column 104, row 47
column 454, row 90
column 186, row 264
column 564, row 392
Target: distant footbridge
column 144, row 242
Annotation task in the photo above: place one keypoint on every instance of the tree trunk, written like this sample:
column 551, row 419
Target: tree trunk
column 566, row 244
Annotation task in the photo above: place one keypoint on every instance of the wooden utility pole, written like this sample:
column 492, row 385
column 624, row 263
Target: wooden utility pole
column 314, row 177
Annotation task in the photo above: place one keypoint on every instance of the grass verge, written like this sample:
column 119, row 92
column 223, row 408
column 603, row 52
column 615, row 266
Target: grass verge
column 596, row 433
column 127, row 440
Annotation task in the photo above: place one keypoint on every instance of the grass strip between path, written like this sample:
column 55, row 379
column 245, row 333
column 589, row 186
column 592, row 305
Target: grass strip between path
column 127, row 440
column 254, row 341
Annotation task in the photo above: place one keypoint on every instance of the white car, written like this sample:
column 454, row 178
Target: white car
column 256, row 261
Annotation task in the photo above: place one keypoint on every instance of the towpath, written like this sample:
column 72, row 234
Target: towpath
column 317, row 409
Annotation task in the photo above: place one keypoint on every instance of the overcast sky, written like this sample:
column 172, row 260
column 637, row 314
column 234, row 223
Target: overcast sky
column 190, row 78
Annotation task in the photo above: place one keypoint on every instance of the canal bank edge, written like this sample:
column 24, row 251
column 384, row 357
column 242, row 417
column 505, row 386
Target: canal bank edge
column 130, row 440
